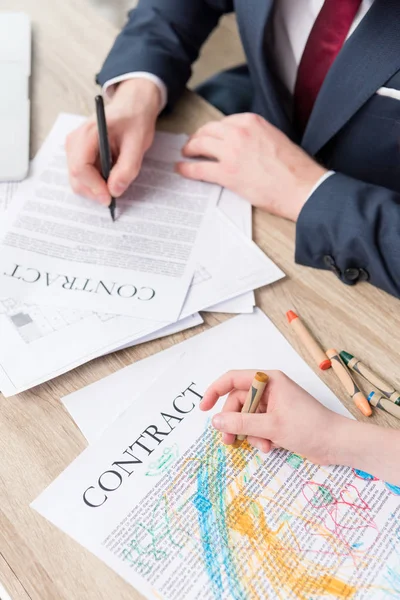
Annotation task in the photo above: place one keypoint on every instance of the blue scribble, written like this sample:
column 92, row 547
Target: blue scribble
column 363, row 475
column 201, row 503
column 395, row 489
column 210, row 502
column 393, row 579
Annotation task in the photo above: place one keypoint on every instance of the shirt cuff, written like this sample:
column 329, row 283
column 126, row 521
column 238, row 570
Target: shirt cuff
column 109, row 86
column 320, row 182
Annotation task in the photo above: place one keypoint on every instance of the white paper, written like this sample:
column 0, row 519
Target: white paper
column 238, row 211
column 42, row 342
column 181, row 517
column 96, row 406
column 38, row 343
column 177, row 327
column 63, row 250
column 7, row 190
column 93, row 408
column 231, row 264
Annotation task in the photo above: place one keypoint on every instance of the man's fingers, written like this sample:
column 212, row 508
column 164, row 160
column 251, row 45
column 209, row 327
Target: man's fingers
column 82, row 153
column 81, row 190
column 91, row 185
column 203, row 146
column 128, row 165
column 201, row 171
column 255, row 425
column 214, row 129
column 239, row 380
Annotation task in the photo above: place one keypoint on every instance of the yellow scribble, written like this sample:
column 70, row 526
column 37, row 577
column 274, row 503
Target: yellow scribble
column 267, row 549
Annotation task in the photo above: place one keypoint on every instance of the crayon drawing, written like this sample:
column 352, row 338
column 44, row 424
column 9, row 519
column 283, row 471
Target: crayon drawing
column 269, row 526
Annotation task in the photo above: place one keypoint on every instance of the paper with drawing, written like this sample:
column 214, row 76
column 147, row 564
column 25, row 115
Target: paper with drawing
column 180, row 516
column 61, row 249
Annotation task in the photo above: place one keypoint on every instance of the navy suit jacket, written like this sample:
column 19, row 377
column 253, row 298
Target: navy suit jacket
column 351, row 223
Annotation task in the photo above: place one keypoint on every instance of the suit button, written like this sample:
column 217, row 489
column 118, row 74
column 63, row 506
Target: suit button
column 329, row 262
column 351, row 275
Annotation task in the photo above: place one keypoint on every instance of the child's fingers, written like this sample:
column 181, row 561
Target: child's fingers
column 239, row 380
column 234, row 401
column 228, row 438
column 260, row 443
column 256, row 425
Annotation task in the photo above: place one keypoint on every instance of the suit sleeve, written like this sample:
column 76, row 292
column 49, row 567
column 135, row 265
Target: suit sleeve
column 164, row 37
column 353, row 228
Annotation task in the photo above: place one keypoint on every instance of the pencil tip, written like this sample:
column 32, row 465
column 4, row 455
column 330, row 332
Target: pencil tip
column 112, row 209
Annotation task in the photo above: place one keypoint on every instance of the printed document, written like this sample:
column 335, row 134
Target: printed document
column 40, row 342
column 64, row 250
column 231, row 264
column 96, row 406
column 239, row 212
column 7, row 191
column 180, row 516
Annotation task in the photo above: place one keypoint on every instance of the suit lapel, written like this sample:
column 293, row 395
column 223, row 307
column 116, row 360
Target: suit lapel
column 254, row 19
column 368, row 59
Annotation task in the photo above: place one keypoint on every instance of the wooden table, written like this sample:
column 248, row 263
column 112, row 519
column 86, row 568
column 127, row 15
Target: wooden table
column 38, row 439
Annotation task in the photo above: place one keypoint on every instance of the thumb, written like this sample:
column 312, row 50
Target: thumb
column 257, row 425
column 127, row 167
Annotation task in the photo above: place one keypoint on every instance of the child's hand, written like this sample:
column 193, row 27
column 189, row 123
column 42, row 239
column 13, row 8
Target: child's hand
column 287, row 416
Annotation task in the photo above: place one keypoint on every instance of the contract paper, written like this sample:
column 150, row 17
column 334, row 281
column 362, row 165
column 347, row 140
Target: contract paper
column 64, row 250
column 231, row 264
column 41, row 343
column 38, row 343
column 180, row 516
column 96, row 406
column 239, row 212
column 7, row 191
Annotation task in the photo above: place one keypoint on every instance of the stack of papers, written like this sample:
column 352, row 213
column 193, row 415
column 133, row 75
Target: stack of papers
column 180, row 516
column 74, row 285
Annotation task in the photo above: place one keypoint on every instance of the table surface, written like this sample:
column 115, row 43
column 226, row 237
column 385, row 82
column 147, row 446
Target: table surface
column 38, row 439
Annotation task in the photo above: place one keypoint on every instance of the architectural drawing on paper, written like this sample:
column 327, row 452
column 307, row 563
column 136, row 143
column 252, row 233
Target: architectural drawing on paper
column 33, row 322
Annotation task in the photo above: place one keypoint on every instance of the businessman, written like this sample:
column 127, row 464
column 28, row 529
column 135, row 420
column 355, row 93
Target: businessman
column 313, row 126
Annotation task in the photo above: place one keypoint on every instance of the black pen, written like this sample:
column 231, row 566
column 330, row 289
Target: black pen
column 105, row 153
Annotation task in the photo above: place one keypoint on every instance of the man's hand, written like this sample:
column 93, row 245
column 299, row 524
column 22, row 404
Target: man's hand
column 287, row 417
column 131, row 117
column 254, row 159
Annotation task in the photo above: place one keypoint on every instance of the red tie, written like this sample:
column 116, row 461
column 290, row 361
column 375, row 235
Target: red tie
column 327, row 36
